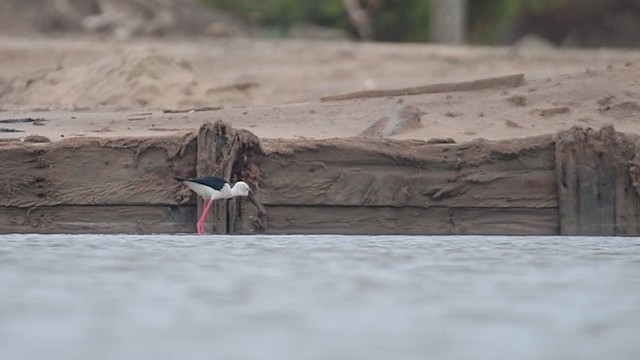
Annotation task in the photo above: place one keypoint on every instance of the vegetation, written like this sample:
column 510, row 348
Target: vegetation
column 393, row 20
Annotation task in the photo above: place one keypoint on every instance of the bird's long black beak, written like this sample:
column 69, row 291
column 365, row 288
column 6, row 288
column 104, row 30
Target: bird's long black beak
column 261, row 211
column 253, row 200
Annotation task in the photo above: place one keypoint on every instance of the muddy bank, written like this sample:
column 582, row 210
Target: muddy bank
column 334, row 136
column 578, row 181
column 360, row 185
column 96, row 185
column 494, row 108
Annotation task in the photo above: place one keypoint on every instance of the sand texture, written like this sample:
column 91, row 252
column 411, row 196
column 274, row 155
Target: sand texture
column 81, row 87
column 335, row 137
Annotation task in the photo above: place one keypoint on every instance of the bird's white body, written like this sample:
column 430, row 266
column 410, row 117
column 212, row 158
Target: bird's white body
column 208, row 192
column 239, row 189
column 214, row 188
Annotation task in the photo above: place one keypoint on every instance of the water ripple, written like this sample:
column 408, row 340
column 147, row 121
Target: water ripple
column 318, row 297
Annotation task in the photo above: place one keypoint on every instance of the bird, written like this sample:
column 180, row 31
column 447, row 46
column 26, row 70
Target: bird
column 213, row 188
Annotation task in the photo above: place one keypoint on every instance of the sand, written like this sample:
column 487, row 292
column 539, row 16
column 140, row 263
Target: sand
column 83, row 86
column 332, row 127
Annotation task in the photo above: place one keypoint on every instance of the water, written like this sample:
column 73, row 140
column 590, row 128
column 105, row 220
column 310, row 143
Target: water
column 318, row 297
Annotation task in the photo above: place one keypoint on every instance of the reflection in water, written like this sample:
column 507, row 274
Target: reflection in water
column 318, row 297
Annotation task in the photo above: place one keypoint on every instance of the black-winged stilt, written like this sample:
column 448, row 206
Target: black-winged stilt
column 214, row 188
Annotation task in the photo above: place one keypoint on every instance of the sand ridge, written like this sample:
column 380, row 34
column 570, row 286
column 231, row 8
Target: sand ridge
column 273, row 89
column 129, row 79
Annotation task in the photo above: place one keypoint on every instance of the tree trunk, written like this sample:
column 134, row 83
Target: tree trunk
column 359, row 18
column 448, row 21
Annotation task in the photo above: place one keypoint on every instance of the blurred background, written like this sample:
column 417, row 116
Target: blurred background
column 562, row 23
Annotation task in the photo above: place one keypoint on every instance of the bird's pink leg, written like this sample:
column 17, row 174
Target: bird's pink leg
column 203, row 219
column 200, row 220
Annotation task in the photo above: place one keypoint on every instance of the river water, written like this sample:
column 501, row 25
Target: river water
column 318, row 297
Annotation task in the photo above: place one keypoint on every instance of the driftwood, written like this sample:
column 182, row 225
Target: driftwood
column 198, row 109
column 508, row 81
column 595, row 188
column 9, row 130
column 37, row 121
column 222, row 152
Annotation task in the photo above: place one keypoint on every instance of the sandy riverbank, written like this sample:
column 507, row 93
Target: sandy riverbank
column 91, row 87
column 123, row 119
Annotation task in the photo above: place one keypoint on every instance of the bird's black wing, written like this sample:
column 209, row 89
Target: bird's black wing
column 210, row 181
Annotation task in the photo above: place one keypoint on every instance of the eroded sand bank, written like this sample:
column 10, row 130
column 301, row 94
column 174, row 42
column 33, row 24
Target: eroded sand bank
column 353, row 138
column 579, row 181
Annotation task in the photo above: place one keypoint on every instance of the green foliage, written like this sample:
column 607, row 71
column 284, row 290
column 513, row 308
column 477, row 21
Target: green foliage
column 281, row 14
column 490, row 20
column 396, row 20
column 405, row 20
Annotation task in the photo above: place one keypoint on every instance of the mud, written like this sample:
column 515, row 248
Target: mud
column 85, row 172
column 579, row 181
column 333, row 137
column 412, row 187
